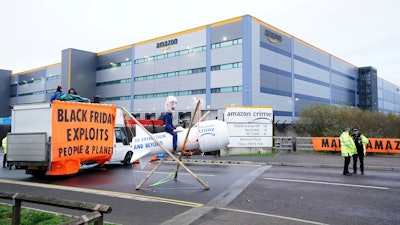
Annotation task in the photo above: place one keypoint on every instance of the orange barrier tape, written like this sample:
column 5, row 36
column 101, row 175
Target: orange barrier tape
column 379, row 145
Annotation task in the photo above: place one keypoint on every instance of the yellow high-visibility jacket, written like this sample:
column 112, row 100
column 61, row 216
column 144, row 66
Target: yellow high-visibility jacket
column 364, row 141
column 4, row 144
column 347, row 146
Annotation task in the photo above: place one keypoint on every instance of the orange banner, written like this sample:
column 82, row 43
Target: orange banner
column 379, row 145
column 80, row 132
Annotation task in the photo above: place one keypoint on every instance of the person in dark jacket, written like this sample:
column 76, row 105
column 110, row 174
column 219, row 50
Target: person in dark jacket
column 360, row 141
column 57, row 93
column 72, row 91
column 169, row 127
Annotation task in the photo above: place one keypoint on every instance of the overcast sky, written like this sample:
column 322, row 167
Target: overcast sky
column 34, row 32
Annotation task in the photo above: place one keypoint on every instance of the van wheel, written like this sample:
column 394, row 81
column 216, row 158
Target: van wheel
column 127, row 159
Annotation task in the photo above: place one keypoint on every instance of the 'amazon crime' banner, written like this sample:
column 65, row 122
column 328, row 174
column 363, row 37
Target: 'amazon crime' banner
column 80, row 132
column 379, row 145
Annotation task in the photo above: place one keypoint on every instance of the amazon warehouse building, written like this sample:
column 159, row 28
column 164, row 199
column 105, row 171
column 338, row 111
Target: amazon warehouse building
column 241, row 61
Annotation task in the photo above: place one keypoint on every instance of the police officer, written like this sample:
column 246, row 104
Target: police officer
column 348, row 148
column 360, row 141
column 4, row 145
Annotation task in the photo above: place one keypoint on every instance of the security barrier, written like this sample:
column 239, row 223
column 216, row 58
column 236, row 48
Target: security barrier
column 293, row 143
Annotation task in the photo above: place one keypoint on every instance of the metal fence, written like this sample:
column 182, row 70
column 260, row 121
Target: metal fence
column 94, row 216
column 293, row 143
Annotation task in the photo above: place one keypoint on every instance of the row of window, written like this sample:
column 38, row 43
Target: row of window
column 189, row 92
column 176, row 93
column 159, row 76
column 122, row 81
column 173, row 74
column 111, row 65
column 171, row 54
column 174, row 54
column 32, row 81
column 189, row 51
column 227, row 66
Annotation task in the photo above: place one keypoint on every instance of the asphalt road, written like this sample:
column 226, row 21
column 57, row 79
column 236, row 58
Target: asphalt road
column 240, row 192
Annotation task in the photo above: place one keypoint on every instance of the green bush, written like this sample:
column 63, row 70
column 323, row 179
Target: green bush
column 29, row 217
column 321, row 120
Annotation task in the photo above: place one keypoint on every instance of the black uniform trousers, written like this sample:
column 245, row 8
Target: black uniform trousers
column 346, row 165
column 359, row 155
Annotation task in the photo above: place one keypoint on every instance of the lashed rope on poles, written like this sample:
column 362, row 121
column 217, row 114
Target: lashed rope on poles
column 162, row 181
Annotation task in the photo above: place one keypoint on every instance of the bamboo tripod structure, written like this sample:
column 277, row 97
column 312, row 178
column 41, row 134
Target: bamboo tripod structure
column 166, row 151
column 186, row 138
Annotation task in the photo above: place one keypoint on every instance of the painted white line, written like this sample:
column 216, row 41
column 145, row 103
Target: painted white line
column 180, row 173
column 327, row 183
column 275, row 216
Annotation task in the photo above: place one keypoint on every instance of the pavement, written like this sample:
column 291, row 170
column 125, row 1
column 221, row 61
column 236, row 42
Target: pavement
column 221, row 207
column 303, row 158
column 373, row 161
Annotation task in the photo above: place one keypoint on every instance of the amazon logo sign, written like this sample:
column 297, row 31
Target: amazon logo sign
column 272, row 36
column 164, row 45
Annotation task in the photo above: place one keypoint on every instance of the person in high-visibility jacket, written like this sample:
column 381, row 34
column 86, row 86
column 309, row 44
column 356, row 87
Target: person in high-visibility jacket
column 4, row 145
column 348, row 148
column 360, row 141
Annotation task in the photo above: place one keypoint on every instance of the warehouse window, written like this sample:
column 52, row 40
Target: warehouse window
column 122, row 81
column 170, row 74
column 54, row 77
column 171, row 54
column 227, row 66
column 226, row 89
column 112, row 65
column 116, row 98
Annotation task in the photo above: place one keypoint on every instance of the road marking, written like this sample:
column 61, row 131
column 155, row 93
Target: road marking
column 106, row 193
column 275, row 216
column 328, row 183
column 218, row 162
column 180, row 173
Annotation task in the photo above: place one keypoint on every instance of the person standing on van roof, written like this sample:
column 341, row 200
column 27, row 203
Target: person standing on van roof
column 72, row 91
column 56, row 94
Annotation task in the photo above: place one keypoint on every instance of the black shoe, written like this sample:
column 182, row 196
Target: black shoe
column 347, row 174
column 355, row 172
column 362, row 173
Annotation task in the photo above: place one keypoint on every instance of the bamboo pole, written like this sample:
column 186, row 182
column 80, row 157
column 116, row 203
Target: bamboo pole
column 166, row 150
column 150, row 174
column 204, row 116
column 186, row 138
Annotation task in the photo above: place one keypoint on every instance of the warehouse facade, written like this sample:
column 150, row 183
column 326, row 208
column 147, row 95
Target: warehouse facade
column 241, row 61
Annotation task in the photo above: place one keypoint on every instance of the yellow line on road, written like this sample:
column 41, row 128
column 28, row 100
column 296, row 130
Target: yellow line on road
column 106, row 193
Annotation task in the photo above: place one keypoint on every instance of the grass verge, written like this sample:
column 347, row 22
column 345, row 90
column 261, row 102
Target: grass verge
column 33, row 217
